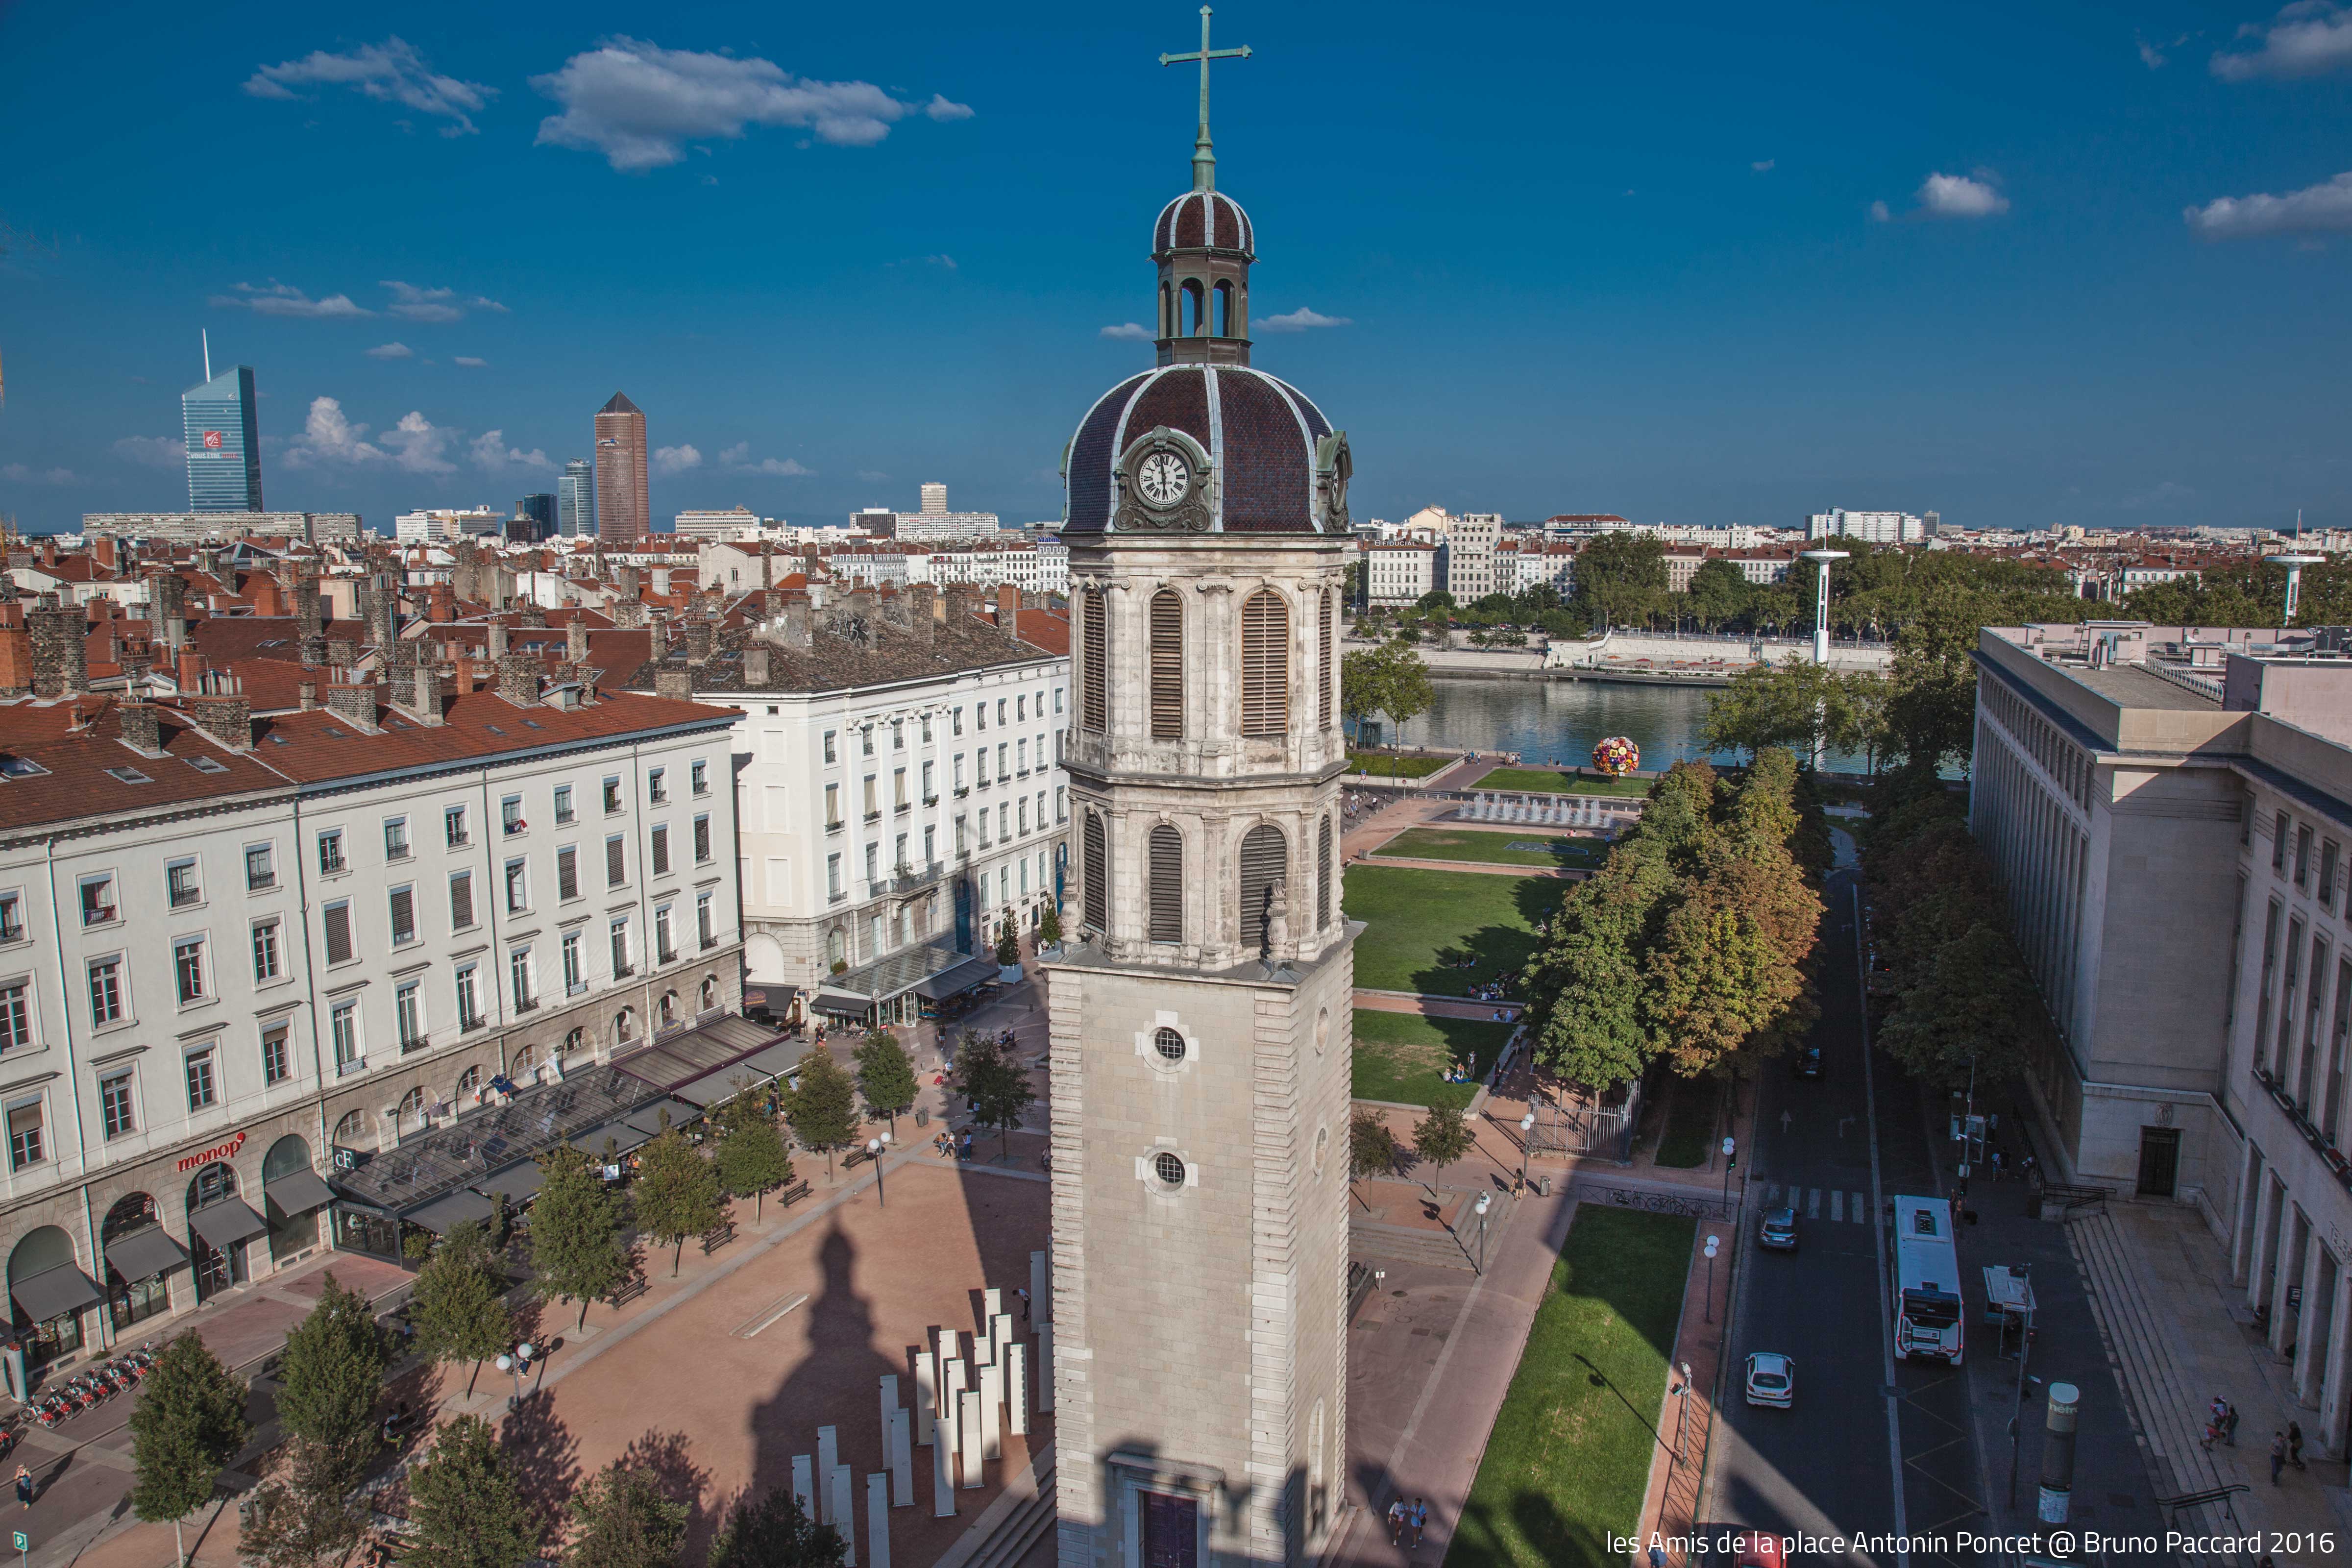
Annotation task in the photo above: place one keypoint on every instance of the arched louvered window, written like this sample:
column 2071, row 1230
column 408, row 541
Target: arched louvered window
column 1167, row 665
column 1097, row 873
column 1167, row 891
column 1325, row 657
column 1266, row 860
column 1095, row 648
column 1323, row 873
column 1265, row 664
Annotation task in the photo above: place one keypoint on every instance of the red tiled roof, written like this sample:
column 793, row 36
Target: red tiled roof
column 75, row 781
column 315, row 747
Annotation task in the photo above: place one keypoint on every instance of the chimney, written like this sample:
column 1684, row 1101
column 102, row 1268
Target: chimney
column 267, row 598
column 959, row 612
column 767, row 568
column 661, row 581
column 626, row 577
column 861, row 603
column 796, row 626
column 519, row 679
column 310, row 691
column 755, row 665
column 15, row 651
column 425, row 688
column 340, row 652
column 354, row 704
column 226, row 718
column 498, row 641
column 191, row 672
column 441, row 603
column 60, row 663
column 166, row 602
column 103, row 551
column 678, row 685
column 701, row 638
column 575, row 640
column 660, row 643
column 141, row 727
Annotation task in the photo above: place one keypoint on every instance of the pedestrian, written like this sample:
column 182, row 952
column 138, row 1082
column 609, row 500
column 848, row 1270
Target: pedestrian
column 2212, row 1432
column 1400, row 1515
column 24, row 1487
column 2229, row 1424
column 2294, row 1444
column 2278, row 1455
column 1023, row 1294
column 1657, row 1555
column 1420, row 1518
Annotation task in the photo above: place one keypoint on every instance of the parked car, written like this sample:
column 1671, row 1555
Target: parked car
column 1756, row 1549
column 1779, row 1231
column 1807, row 1062
column 1771, row 1380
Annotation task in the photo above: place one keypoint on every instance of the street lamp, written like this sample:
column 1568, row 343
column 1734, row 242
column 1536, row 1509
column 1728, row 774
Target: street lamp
column 1682, row 1407
column 1821, row 560
column 1526, row 1134
column 1730, row 1158
column 516, row 1365
column 2295, row 563
column 874, row 1147
column 1713, row 1242
column 1484, row 1199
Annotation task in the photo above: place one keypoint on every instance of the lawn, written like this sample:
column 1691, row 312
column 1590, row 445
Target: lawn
column 1690, row 1125
column 1495, row 849
column 1401, row 1056
column 1382, row 764
column 1568, row 1458
column 1551, row 780
column 1420, row 923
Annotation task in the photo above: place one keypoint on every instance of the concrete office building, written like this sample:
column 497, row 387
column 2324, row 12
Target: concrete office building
column 540, row 508
column 575, row 500
column 624, row 493
column 196, row 527
column 1871, row 527
column 2169, row 809
column 224, row 436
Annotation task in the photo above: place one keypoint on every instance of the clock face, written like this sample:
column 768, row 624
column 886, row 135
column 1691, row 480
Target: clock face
column 1162, row 477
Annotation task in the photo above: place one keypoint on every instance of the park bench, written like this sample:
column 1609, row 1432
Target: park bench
column 793, row 1194
column 855, row 1158
column 717, row 1236
column 629, row 1291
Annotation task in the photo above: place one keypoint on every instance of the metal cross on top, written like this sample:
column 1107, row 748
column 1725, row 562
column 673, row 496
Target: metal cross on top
column 1204, row 161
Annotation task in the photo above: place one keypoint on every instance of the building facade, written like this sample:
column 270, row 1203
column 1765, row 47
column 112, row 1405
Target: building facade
column 623, row 477
column 1871, row 527
column 196, row 527
column 575, row 500
column 1399, row 575
column 223, row 437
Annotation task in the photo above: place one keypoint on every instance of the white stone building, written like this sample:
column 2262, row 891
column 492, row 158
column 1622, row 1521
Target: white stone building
column 1399, row 575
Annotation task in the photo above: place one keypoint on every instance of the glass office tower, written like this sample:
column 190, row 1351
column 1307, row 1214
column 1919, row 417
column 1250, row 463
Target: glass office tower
column 575, row 500
column 223, row 443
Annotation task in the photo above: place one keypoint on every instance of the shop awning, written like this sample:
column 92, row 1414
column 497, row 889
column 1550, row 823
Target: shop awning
column 955, row 980
column 450, row 1210
column 224, row 1222
column 842, row 1001
column 776, row 999
column 619, row 1133
column 516, row 1182
column 144, row 1253
column 298, row 1192
column 54, row 1292
column 760, row 1068
column 647, row 1118
column 855, row 990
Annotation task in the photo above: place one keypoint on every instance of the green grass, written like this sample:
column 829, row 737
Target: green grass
column 1420, row 920
column 1381, row 764
column 1569, row 1458
column 1690, row 1125
column 1495, row 848
column 1402, row 1057
column 1551, row 780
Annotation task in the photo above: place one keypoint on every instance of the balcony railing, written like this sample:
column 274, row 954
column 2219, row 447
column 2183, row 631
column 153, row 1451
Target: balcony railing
column 2321, row 1143
column 415, row 1043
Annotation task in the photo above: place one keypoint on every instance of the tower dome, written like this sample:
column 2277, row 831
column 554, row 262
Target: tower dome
column 1203, row 220
column 1205, row 448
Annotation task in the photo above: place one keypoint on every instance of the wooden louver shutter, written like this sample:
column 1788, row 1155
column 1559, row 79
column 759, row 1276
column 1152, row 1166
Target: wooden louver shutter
column 1094, row 641
column 339, row 932
column 1097, row 874
column 1265, row 664
column 1167, row 891
column 1265, row 860
column 1167, row 666
column 461, row 900
column 1325, row 658
column 1323, row 878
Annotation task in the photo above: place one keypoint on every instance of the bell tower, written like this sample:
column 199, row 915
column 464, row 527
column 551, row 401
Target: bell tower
column 1201, row 1018
column 1204, row 247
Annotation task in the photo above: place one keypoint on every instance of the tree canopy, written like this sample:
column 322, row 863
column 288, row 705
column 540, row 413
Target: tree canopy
column 822, row 1108
column 188, row 1423
column 996, row 1087
column 772, row 1532
column 459, row 1305
column 676, row 1193
column 575, row 1232
column 750, row 1155
column 465, row 1505
column 623, row 1518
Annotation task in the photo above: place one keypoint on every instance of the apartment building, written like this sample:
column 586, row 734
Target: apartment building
column 2169, row 808
column 898, row 768
column 1399, row 575
column 252, row 951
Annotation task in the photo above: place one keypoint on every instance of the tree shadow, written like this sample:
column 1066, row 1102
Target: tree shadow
column 668, row 1459
column 546, row 1458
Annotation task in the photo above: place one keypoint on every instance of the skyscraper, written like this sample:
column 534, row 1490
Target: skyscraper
column 575, row 500
column 540, row 507
column 623, row 507
column 224, row 442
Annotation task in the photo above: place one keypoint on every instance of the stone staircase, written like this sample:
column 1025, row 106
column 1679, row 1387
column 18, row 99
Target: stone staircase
column 2167, row 1414
column 1437, row 1248
column 1022, row 1515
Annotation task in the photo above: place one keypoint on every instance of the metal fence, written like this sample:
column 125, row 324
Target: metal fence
column 1650, row 1201
column 1604, row 1131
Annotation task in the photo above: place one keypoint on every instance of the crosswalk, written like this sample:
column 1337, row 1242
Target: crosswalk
column 1844, row 1206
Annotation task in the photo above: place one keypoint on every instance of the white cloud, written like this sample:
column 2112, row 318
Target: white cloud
column 2165, row 493
column 872, row 476
column 24, row 476
column 276, row 299
column 2314, row 209
column 391, row 351
column 469, row 362
column 1958, row 196
column 328, row 438
column 418, row 444
column 415, row 304
column 638, row 103
column 676, row 459
column 1128, row 333
column 1300, row 319
column 389, row 72
column 738, row 459
column 152, row 451
column 2311, row 38
column 2150, row 55
column 490, row 452
column 1763, row 165
column 1878, row 213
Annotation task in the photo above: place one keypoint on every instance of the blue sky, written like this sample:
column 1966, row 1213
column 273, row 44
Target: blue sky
column 1577, row 257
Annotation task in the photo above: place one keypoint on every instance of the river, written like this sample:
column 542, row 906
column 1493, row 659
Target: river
column 1547, row 721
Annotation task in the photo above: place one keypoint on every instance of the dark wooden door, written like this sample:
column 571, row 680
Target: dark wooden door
column 2159, row 1160
column 1171, row 1531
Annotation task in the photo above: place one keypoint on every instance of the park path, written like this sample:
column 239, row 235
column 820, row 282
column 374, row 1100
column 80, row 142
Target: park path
column 1491, row 867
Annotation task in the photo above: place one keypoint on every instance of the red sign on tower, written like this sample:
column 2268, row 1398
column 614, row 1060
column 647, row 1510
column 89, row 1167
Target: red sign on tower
column 212, row 440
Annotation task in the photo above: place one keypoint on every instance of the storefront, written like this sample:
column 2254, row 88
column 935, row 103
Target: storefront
column 902, row 987
column 47, row 1294
column 362, row 1227
column 291, row 1195
column 140, row 1257
column 220, row 1225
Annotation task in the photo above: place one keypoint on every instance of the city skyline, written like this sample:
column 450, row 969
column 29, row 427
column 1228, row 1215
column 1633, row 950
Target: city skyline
column 2089, row 283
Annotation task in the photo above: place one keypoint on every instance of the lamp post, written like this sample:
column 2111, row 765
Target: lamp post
column 2024, row 1348
column 1821, row 560
column 1682, row 1407
column 1484, row 1199
column 514, row 1365
column 1730, row 1158
column 2294, row 562
column 1712, row 1242
column 874, row 1147
column 1526, row 1132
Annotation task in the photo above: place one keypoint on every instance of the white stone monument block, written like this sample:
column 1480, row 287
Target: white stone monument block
column 804, row 1484
column 992, row 1412
column 844, row 1513
column 1041, row 1291
column 968, row 1437
column 828, row 1459
column 943, row 1474
column 878, row 1520
column 927, row 1394
column 1045, row 1366
column 1016, row 1389
column 900, row 1442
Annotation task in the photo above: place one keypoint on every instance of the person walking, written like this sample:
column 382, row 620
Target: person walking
column 24, row 1487
column 2278, row 1455
column 1400, row 1515
column 2228, row 1425
column 2294, row 1444
column 1420, row 1518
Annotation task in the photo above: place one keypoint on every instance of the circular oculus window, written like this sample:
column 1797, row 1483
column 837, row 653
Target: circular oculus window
column 1169, row 1169
column 1170, row 1044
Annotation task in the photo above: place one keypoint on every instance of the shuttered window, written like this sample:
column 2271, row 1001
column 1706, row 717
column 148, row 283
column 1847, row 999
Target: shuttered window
column 1265, row 664
column 1323, row 877
column 461, row 900
column 1166, row 884
column 1264, row 859
column 1097, row 874
column 339, row 932
column 1095, row 647
column 1326, row 658
column 615, row 867
column 1167, row 666
column 404, row 916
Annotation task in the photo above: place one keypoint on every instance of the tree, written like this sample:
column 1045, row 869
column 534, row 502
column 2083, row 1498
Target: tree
column 1443, row 1137
column 1371, row 1147
column 823, row 1110
column 459, row 1306
column 465, row 1504
column 1858, row 716
column 1931, row 709
column 330, row 1378
column 623, row 1518
column 1586, row 986
column 1974, row 1006
column 1389, row 680
column 1718, row 593
column 188, row 1423
column 1008, row 943
column 1436, row 599
column 772, row 1532
column 1620, row 578
column 300, row 1521
column 996, row 1087
column 750, row 1155
column 1049, row 925
column 575, row 1232
column 885, row 1077
column 677, row 1192
column 1770, row 705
